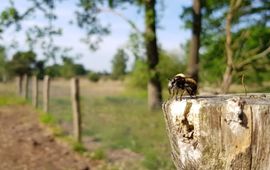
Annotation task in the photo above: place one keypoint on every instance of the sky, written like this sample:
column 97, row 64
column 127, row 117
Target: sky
column 170, row 33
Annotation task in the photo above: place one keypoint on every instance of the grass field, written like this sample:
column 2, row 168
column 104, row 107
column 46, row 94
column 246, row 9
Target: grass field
column 115, row 119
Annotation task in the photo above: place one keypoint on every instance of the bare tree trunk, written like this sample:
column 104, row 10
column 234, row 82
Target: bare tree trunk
column 228, row 74
column 46, row 92
column 193, row 63
column 227, row 77
column 75, row 99
column 154, row 85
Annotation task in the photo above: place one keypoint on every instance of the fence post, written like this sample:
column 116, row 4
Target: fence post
column 19, row 85
column 34, row 91
column 75, row 99
column 46, row 91
column 25, row 86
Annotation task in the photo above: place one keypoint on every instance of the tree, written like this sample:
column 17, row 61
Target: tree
column 87, row 19
column 154, row 84
column 227, row 77
column 233, row 40
column 39, row 69
column 22, row 63
column 119, row 64
column 70, row 69
column 193, row 64
column 53, row 70
column 150, row 39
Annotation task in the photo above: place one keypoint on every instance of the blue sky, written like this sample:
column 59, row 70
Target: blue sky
column 171, row 34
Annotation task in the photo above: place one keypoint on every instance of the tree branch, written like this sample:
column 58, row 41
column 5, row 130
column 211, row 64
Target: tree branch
column 255, row 57
column 130, row 22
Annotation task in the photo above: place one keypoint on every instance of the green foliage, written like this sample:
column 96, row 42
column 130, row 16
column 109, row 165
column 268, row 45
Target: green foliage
column 169, row 65
column 139, row 74
column 39, row 69
column 3, row 64
column 47, row 119
column 119, row 64
column 9, row 15
column 53, row 70
column 67, row 70
column 93, row 76
column 78, row 147
column 22, row 63
column 11, row 100
column 249, row 37
column 98, row 154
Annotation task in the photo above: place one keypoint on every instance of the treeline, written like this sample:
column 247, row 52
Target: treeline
column 27, row 63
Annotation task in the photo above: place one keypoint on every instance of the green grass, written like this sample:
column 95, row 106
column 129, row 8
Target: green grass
column 121, row 121
column 11, row 100
column 118, row 121
column 124, row 122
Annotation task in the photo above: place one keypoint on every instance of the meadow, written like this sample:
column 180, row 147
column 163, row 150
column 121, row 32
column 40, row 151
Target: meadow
column 118, row 128
column 119, row 131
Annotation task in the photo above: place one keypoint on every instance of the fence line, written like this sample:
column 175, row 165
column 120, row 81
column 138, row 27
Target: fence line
column 22, row 89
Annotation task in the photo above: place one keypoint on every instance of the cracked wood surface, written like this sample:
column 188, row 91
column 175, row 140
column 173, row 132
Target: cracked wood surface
column 220, row 132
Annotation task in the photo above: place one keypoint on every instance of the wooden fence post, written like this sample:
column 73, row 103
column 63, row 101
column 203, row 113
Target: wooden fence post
column 46, row 92
column 25, row 86
column 34, row 91
column 75, row 99
column 19, row 85
column 219, row 132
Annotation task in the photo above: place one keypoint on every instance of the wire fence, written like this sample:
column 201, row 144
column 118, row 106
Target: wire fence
column 112, row 118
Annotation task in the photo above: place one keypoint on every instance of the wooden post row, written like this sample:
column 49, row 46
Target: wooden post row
column 219, row 132
column 34, row 91
column 75, row 99
column 46, row 91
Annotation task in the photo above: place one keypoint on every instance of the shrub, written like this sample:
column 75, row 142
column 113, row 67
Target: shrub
column 93, row 76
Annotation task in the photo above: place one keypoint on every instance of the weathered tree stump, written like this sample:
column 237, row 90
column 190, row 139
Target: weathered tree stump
column 219, row 132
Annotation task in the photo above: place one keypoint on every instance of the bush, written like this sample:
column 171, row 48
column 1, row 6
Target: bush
column 169, row 65
column 94, row 77
column 138, row 76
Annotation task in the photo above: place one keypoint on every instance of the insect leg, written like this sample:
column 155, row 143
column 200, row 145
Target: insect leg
column 191, row 94
column 182, row 92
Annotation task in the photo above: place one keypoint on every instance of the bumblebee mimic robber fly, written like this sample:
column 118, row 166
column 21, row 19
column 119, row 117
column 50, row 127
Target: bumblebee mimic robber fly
column 179, row 84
